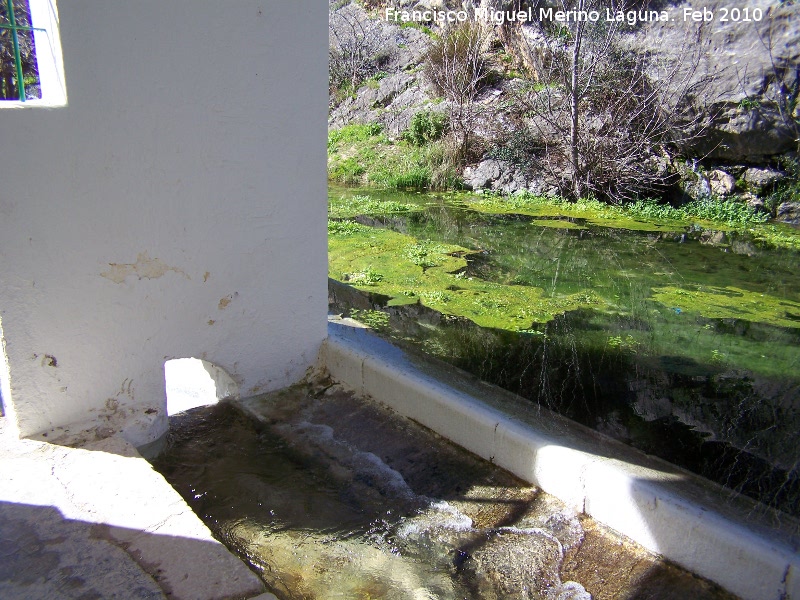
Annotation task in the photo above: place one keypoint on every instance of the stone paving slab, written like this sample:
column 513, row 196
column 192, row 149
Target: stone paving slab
column 99, row 522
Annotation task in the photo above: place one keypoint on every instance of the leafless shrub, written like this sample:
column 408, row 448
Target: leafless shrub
column 607, row 115
column 357, row 46
column 457, row 70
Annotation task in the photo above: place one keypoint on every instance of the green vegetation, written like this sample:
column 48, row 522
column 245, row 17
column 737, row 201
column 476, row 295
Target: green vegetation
column 425, row 127
column 525, row 276
column 374, row 81
column 366, row 277
column 420, row 27
column 359, row 154
column 749, row 103
column 410, row 270
column 624, row 344
column 732, row 214
column 643, row 215
column 352, row 206
column 777, row 236
column 592, row 212
column 345, row 227
column 376, row 319
column 351, row 134
column 364, row 153
column 787, row 190
column 731, row 303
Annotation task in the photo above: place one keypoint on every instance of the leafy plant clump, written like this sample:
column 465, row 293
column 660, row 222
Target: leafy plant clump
column 375, row 319
column 733, row 214
column 366, row 277
column 347, row 207
column 425, row 127
column 344, row 227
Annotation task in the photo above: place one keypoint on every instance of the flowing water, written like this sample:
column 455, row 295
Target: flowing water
column 683, row 342
column 330, row 496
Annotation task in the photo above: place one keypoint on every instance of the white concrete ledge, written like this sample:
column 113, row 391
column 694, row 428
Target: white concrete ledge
column 739, row 544
column 100, row 522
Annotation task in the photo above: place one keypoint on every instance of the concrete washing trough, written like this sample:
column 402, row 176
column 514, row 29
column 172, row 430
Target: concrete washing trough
column 746, row 548
column 97, row 519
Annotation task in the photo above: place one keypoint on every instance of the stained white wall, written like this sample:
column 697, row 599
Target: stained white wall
column 174, row 208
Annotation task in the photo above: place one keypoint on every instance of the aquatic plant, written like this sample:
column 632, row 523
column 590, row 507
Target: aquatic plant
column 366, row 277
column 344, row 227
column 730, row 303
column 376, row 319
column 388, row 262
column 359, row 204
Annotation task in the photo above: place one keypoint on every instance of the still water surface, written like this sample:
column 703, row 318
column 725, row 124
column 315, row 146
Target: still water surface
column 682, row 342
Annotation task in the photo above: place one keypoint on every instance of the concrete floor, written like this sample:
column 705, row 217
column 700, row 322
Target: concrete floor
column 99, row 522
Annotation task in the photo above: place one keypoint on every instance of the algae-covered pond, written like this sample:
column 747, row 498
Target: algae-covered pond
column 677, row 338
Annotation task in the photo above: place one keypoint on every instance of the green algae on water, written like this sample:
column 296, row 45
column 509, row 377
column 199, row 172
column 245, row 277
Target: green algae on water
column 730, row 303
column 359, row 204
column 409, row 271
column 592, row 212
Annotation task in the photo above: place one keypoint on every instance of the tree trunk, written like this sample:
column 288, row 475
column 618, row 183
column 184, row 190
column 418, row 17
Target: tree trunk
column 574, row 100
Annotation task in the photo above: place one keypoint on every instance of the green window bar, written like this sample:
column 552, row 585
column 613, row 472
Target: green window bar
column 15, row 29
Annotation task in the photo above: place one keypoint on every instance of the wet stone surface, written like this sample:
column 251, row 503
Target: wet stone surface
column 326, row 495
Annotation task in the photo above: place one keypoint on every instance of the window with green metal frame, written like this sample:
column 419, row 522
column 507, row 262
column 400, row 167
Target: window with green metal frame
column 19, row 73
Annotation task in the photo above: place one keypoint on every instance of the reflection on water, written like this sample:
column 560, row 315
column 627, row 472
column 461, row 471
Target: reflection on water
column 687, row 346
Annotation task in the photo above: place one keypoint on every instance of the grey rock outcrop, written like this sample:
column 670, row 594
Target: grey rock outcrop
column 402, row 91
column 754, row 202
column 751, row 70
column 746, row 76
column 788, row 212
column 760, row 180
column 721, row 183
column 504, row 177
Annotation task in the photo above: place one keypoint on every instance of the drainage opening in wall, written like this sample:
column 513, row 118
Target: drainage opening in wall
column 194, row 382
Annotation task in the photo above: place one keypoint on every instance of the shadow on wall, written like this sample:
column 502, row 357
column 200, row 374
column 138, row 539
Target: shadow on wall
column 44, row 555
column 3, row 372
column 193, row 382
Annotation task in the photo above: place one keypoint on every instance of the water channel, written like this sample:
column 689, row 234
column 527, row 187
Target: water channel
column 328, row 495
column 681, row 341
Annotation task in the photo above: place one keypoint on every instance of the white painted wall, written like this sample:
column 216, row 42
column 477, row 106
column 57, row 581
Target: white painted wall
column 174, row 208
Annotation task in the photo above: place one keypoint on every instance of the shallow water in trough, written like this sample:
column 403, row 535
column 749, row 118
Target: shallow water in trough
column 329, row 496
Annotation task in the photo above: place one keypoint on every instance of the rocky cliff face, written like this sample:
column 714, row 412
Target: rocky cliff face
column 743, row 63
column 752, row 69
